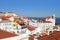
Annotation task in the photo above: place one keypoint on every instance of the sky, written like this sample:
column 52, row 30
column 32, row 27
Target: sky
column 31, row 8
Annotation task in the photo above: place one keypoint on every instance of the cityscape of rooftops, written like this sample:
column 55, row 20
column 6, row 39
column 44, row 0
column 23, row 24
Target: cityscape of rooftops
column 29, row 19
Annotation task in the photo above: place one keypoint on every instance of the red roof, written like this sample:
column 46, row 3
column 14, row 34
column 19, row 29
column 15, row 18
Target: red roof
column 52, row 36
column 5, row 34
column 29, row 27
column 5, row 17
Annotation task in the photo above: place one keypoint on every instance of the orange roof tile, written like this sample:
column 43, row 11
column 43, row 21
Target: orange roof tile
column 5, row 34
column 29, row 27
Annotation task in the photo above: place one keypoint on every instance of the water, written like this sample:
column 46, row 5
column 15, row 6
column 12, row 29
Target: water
column 57, row 21
column 37, row 18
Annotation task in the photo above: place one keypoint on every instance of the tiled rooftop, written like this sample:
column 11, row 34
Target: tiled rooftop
column 52, row 36
column 5, row 34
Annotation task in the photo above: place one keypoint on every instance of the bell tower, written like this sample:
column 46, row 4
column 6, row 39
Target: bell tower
column 53, row 19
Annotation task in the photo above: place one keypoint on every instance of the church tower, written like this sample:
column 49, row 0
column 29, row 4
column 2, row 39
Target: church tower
column 53, row 19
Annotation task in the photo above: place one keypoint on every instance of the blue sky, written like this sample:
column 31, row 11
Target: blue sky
column 37, row 8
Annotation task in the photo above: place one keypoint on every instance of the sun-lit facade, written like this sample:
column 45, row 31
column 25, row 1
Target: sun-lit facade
column 24, row 26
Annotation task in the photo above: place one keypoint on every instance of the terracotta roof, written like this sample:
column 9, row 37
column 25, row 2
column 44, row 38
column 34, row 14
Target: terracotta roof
column 56, row 35
column 29, row 27
column 52, row 36
column 5, row 34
